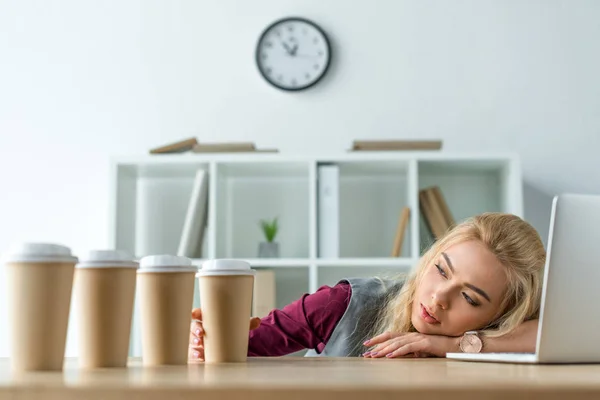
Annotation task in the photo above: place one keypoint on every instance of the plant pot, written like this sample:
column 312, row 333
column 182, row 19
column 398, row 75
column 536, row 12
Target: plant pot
column 268, row 250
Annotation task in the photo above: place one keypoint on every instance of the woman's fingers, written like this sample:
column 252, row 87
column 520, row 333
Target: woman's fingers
column 405, row 350
column 197, row 314
column 196, row 334
column 384, row 337
column 384, row 349
column 254, row 323
column 196, row 329
column 196, row 353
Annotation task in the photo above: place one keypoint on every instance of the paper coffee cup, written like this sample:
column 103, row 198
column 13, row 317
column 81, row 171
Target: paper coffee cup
column 166, row 296
column 39, row 286
column 104, row 294
column 226, row 288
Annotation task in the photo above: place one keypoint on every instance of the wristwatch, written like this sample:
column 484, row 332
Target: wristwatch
column 470, row 342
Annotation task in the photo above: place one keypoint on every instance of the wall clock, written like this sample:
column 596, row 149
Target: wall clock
column 293, row 54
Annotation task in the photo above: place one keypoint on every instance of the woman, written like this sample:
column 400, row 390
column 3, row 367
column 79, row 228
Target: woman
column 484, row 275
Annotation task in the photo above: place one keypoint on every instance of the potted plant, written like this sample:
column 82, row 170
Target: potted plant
column 269, row 248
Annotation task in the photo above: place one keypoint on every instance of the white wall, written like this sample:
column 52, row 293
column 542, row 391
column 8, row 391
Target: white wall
column 81, row 81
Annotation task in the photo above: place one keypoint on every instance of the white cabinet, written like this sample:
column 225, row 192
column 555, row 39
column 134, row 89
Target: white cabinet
column 150, row 195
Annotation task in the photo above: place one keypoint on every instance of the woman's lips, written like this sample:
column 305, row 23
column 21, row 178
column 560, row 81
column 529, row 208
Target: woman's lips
column 428, row 317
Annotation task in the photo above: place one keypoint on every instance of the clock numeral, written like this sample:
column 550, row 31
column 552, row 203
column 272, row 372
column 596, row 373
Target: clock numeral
column 268, row 44
column 316, row 66
column 268, row 70
column 294, row 82
column 307, row 76
column 278, row 33
column 321, row 53
column 279, row 77
column 264, row 56
column 316, row 40
column 290, row 28
column 292, row 39
column 305, row 31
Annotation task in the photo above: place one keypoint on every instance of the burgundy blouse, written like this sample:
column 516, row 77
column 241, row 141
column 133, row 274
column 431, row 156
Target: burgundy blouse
column 307, row 323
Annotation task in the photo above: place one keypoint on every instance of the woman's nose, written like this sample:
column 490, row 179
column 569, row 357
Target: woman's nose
column 440, row 299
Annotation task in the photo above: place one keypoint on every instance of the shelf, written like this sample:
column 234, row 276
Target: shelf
column 269, row 262
column 400, row 262
column 366, row 262
column 159, row 169
column 150, row 196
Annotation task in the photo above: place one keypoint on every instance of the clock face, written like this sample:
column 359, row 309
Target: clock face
column 293, row 54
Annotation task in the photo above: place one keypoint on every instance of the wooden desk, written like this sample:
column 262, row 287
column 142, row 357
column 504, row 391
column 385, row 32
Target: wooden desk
column 309, row 379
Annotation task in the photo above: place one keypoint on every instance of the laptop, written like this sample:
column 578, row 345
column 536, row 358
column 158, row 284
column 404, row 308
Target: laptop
column 569, row 324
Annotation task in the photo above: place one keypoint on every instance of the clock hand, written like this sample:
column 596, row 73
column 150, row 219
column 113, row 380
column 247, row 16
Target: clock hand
column 287, row 48
column 294, row 50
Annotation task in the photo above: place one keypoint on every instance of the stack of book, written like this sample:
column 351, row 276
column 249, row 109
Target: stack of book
column 395, row 145
column 435, row 211
column 192, row 144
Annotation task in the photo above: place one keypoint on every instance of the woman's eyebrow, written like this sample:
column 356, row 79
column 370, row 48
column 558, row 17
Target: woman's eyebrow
column 481, row 292
column 448, row 261
column 474, row 288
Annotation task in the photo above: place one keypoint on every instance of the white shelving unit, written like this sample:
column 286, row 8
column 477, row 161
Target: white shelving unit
column 150, row 195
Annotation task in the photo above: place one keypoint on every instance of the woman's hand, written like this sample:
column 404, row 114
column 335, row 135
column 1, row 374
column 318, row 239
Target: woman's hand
column 412, row 344
column 196, row 346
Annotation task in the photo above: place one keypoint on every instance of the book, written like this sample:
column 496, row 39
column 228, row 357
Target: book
column 448, row 217
column 389, row 145
column 328, row 212
column 435, row 210
column 400, row 231
column 192, row 233
column 226, row 147
column 177, row 147
column 435, row 225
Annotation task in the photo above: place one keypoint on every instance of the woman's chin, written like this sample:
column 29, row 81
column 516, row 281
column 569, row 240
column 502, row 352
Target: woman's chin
column 423, row 327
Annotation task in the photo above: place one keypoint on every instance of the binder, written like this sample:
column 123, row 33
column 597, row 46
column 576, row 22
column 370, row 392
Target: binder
column 328, row 211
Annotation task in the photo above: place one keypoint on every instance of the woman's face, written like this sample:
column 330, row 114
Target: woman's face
column 460, row 291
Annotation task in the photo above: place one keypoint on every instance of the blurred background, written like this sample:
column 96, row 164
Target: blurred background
column 82, row 82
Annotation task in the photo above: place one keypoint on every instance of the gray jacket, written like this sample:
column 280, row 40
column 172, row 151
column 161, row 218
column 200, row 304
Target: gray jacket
column 367, row 299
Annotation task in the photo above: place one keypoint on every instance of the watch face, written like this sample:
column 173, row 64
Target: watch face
column 293, row 54
column 470, row 343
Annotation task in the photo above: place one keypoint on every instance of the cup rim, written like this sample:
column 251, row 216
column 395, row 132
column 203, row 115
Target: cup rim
column 107, row 264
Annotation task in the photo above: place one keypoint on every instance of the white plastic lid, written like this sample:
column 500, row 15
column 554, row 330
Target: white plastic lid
column 107, row 259
column 166, row 263
column 39, row 252
column 225, row 267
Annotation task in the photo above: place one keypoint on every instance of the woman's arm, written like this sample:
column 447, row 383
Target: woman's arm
column 307, row 323
column 521, row 340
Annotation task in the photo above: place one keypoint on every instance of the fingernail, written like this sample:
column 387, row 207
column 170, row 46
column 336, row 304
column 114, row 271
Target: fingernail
column 368, row 353
column 196, row 354
column 196, row 341
column 367, row 342
column 388, row 355
column 373, row 354
column 197, row 331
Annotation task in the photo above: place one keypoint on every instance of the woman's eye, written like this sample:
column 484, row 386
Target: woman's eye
column 440, row 270
column 470, row 300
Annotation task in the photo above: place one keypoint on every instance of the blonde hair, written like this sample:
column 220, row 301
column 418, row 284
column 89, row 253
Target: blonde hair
column 517, row 246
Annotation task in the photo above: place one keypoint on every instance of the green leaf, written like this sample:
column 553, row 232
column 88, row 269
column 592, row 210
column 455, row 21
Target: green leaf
column 269, row 228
